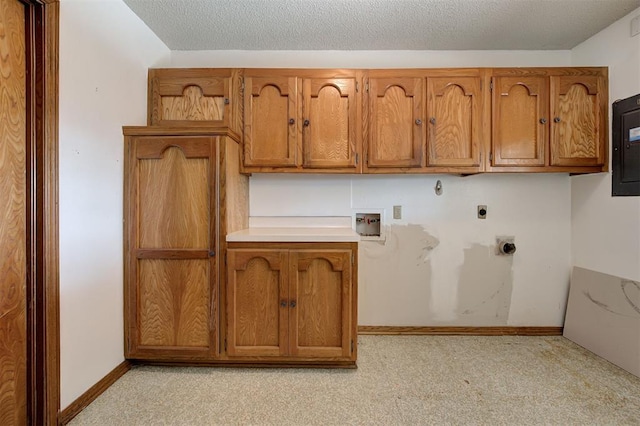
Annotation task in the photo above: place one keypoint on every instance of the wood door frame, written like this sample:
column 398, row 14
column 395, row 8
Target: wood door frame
column 43, row 312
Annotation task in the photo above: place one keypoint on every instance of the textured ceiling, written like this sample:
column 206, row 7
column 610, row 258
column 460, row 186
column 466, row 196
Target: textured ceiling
column 378, row 24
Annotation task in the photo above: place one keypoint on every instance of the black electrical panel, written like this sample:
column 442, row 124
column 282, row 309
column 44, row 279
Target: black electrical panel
column 626, row 147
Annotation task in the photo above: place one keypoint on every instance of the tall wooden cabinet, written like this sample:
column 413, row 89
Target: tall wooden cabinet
column 183, row 193
column 291, row 301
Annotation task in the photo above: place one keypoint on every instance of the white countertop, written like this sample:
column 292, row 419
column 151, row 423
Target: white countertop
column 295, row 234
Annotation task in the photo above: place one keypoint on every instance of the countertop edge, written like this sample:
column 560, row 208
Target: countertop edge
column 290, row 235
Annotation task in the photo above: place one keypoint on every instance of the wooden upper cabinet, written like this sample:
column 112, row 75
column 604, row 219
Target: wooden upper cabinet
column 195, row 97
column 520, row 121
column 454, row 111
column 402, row 121
column 270, row 121
column 330, row 135
column 578, row 126
column 396, row 130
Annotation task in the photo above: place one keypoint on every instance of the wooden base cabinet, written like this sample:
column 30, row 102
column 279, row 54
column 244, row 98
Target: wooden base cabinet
column 291, row 302
column 180, row 188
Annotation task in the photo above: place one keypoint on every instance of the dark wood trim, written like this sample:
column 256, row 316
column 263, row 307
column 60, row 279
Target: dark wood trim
column 93, row 392
column 33, row 145
column 51, row 263
column 252, row 364
column 471, row 331
column 43, row 382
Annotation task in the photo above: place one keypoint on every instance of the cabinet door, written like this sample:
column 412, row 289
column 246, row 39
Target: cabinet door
column 454, row 111
column 578, row 127
column 257, row 302
column 330, row 137
column 181, row 97
column 520, row 121
column 320, row 293
column 170, row 246
column 396, row 115
column 270, row 121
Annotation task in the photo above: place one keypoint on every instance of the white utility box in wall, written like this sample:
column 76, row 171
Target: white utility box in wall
column 369, row 224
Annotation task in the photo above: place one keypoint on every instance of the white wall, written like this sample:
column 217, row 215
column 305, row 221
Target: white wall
column 368, row 59
column 438, row 265
column 105, row 51
column 606, row 229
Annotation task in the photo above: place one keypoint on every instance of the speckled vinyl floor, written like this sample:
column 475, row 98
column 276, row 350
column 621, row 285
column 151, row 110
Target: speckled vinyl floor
column 401, row 380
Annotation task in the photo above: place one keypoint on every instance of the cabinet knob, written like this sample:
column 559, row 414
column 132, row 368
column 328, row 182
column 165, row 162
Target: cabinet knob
column 283, row 303
column 306, row 122
column 293, row 304
column 556, row 120
column 212, row 253
column 418, row 121
column 226, row 101
column 543, row 121
column 292, row 121
column 432, row 120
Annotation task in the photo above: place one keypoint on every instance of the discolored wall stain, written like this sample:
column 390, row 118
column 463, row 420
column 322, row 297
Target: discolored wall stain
column 395, row 275
column 624, row 302
column 484, row 287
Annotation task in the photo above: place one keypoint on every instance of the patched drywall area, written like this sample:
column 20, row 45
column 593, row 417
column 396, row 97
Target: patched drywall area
column 400, row 268
column 398, row 271
column 484, row 287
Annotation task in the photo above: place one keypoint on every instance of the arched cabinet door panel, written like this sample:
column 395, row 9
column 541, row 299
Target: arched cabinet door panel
column 454, row 121
column 256, row 286
column 578, row 125
column 396, row 130
column 329, row 126
column 321, row 285
column 520, row 121
column 270, row 121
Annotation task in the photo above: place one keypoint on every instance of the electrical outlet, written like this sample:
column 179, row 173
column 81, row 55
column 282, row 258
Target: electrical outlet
column 397, row 212
column 482, row 212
